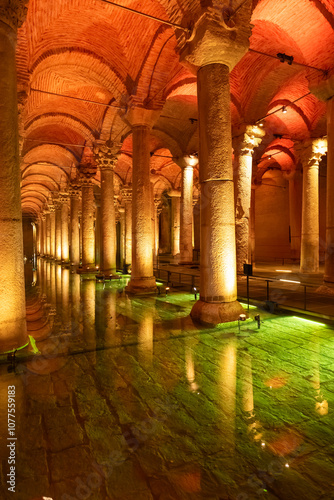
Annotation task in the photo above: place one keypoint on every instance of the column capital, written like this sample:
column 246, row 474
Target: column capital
column 249, row 137
column 63, row 198
column 311, row 151
column 127, row 193
column 52, row 208
column 13, row 13
column 220, row 35
column 186, row 161
column 138, row 116
column 74, row 191
column 323, row 88
column 106, row 154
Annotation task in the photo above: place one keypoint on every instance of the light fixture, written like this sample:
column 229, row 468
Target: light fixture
column 284, row 110
column 195, row 292
column 167, row 288
column 269, row 157
column 290, row 281
column 258, row 319
column 242, row 317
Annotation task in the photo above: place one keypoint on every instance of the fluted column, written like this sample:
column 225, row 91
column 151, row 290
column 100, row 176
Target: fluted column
column 142, row 279
column 58, row 229
column 249, row 138
column 106, row 157
column 310, row 153
column 175, row 223
column 74, row 225
column 65, row 253
column 212, row 53
column 127, row 197
column 13, row 332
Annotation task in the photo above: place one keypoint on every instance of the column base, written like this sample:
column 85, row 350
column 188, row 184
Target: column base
column 87, row 269
column 141, row 285
column 13, row 335
column 213, row 313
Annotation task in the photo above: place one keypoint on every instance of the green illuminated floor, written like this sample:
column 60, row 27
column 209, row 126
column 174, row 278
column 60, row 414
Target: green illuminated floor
column 130, row 400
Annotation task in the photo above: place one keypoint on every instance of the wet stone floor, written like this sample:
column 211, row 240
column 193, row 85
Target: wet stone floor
column 127, row 399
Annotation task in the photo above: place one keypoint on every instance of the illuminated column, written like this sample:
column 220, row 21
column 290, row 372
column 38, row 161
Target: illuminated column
column 324, row 90
column 121, row 211
column 329, row 255
column 249, row 138
column 64, row 228
column 175, row 222
column 310, row 153
column 48, row 233
column 80, row 231
column 58, row 229
column 43, row 234
column 157, row 212
column 187, row 164
column 142, row 279
column 213, row 54
column 13, row 332
column 87, row 223
column 251, row 249
column 127, row 196
column 52, row 231
column 98, row 256
column 106, row 157
column 38, row 231
column 74, row 225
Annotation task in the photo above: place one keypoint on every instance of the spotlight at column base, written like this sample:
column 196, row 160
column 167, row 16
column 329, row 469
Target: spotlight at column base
column 213, row 313
column 143, row 285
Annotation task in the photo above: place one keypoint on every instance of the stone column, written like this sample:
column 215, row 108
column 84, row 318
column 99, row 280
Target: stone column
column 106, row 157
column 251, row 248
column 121, row 211
column 87, row 222
column 48, row 233
column 74, row 225
column 249, row 138
column 98, row 231
column 39, row 243
column 324, row 90
column 52, row 231
column 175, row 223
column 58, row 229
column 65, row 253
column 13, row 332
column 310, row 153
column 187, row 164
column 142, row 279
column 43, row 234
column 127, row 197
column 212, row 52
column 156, row 216
column 329, row 255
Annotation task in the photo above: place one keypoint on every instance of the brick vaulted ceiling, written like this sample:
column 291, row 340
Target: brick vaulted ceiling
column 109, row 58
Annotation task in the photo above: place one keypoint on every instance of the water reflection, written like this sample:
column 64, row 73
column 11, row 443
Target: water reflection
column 228, row 402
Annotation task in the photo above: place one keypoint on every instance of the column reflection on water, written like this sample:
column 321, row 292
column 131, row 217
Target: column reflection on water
column 246, row 375
column 75, row 304
column 227, row 386
column 65, row 297
column 189, row 346
column 53, row 287
column 145, row 337
column 88, row 317
column 109, row 316
column 321, row 405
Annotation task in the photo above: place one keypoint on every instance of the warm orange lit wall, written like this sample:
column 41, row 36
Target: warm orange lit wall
column 272, row 218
